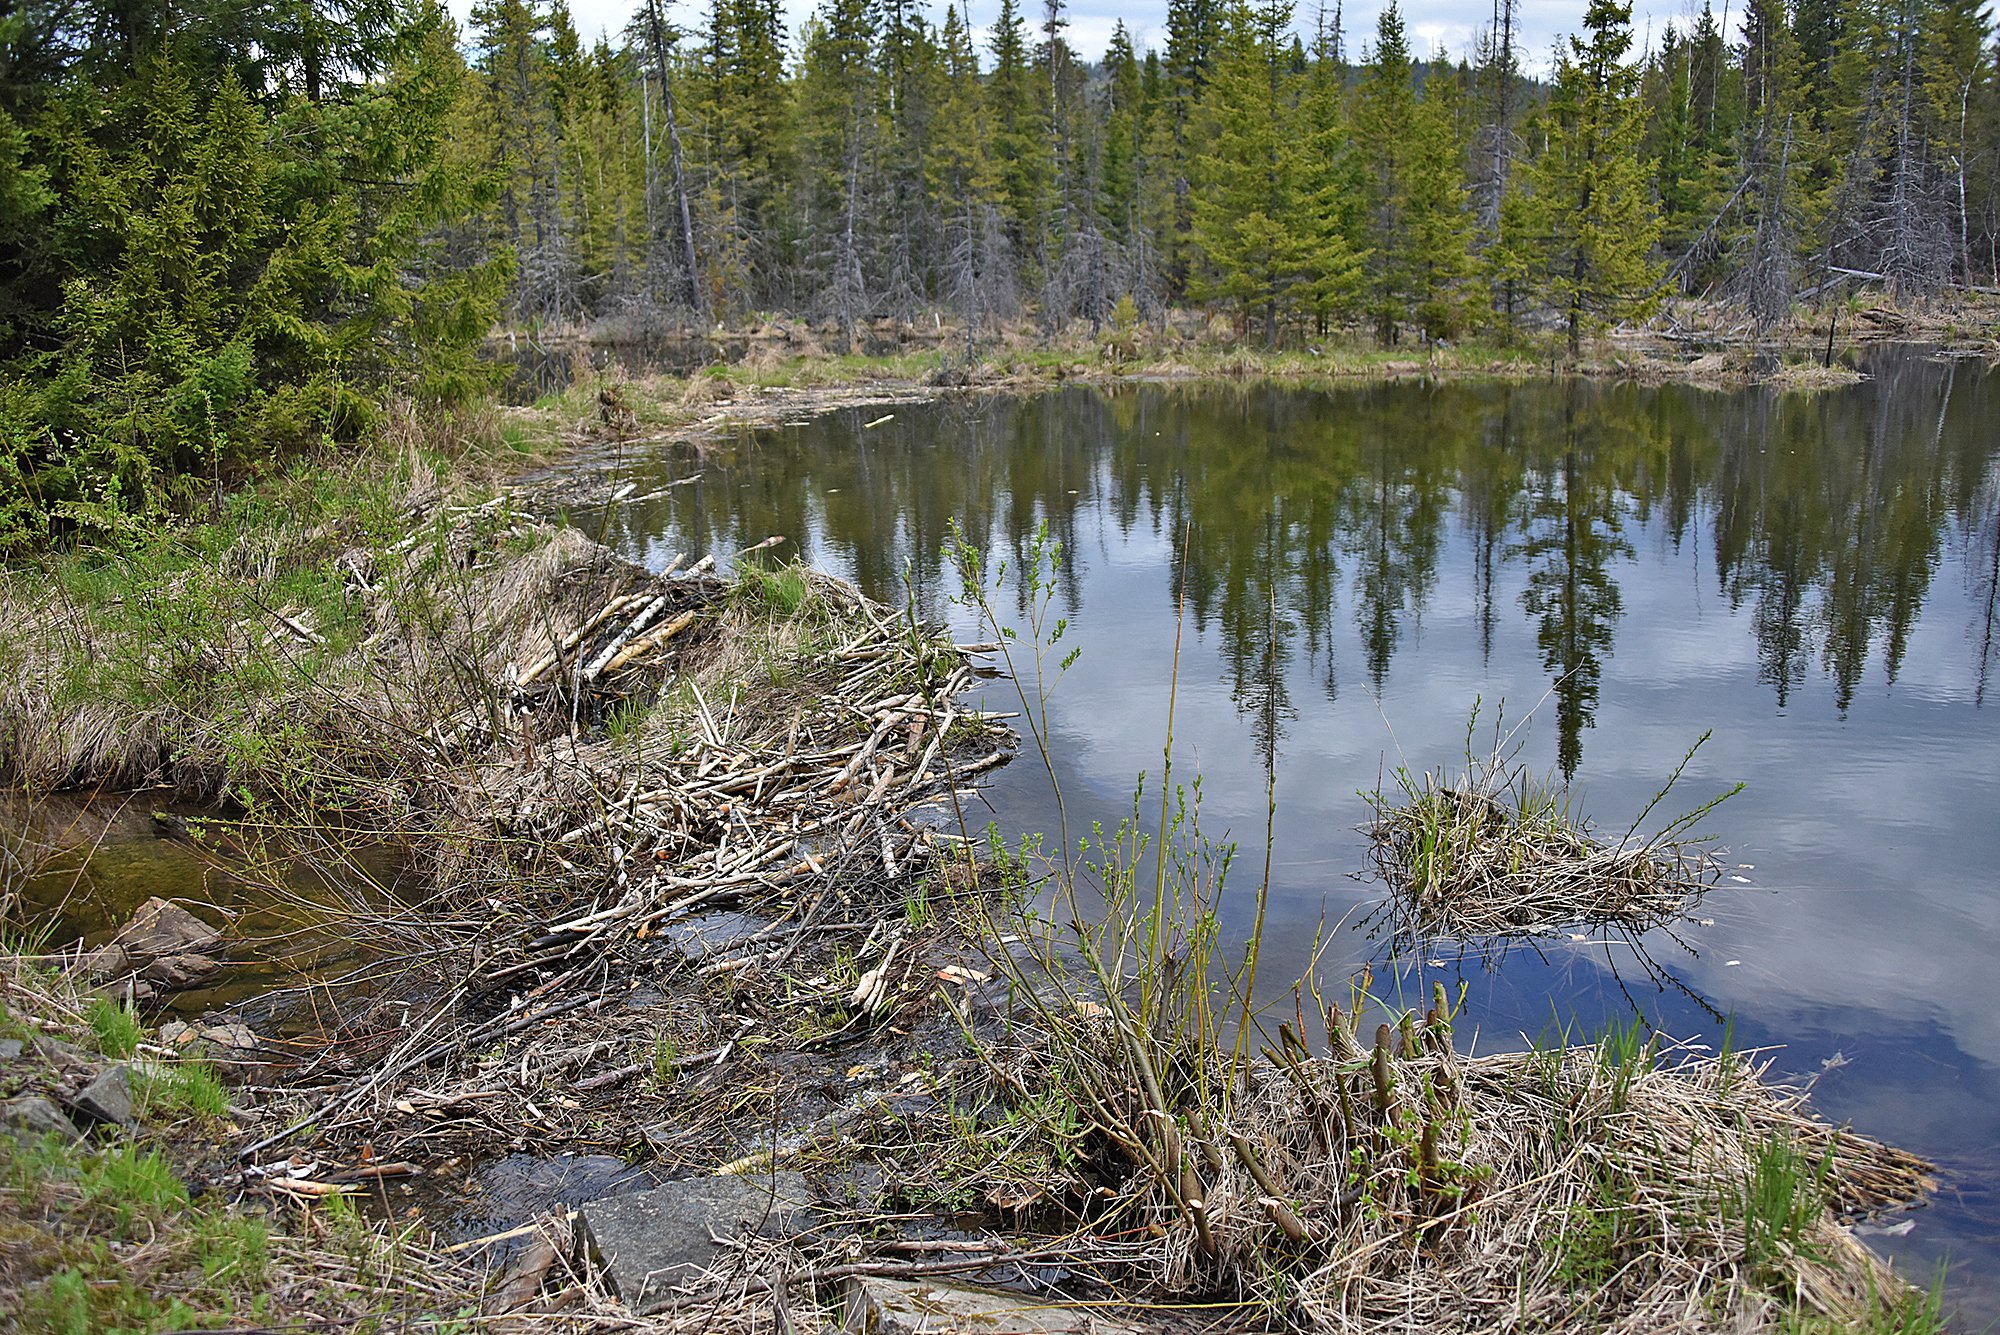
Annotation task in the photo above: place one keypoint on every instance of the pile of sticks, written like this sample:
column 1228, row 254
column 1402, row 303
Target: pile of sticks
column 735, row 790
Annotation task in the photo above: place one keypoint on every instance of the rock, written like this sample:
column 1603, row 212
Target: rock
column 106, row 962
column 230, row 1034
column 161, row 927
column 11, row 1049
column 54, row 1051
column 131, row 990
column 167, row 946
column 176, row 1034
column 35, row 1116
column 651, row 1242
column 877, row 1306
column 108, row 1098
column 178, row 972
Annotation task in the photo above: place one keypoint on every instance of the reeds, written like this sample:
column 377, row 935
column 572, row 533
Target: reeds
column 1374, row 1178
column 1348, row 1179
column 1498, row 851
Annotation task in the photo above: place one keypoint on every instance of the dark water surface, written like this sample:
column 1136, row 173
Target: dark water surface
column 1810, row 576
column 82, row 868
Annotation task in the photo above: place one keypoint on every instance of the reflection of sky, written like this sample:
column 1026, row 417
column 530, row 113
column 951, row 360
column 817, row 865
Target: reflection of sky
column 1450, row 26
column 1869, row 924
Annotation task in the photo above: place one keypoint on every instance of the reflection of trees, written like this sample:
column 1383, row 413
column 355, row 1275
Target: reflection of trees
column 1280, row 492
column 1829, row 514
column 1396, row 517
column 1489, row 480
column 1572, row 529
column 1826, row 513
column 1974, row 491
column 1260, row 481
column 1985, row 570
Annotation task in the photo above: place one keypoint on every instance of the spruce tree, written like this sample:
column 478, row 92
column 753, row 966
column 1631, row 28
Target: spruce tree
column 1413, row 179
column 1018, row 147
column 1324, row 237
column 1588, row 225
column 1437, row 243
column 1245, row 199
column 239, row 268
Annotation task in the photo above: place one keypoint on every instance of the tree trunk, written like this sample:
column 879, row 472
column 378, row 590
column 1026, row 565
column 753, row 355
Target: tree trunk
column 656, row 32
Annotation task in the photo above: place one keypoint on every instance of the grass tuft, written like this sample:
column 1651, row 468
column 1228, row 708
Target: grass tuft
column 115, row 1025
column 1497, row 850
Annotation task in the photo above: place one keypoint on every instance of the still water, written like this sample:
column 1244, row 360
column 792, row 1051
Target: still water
column 1811, row 577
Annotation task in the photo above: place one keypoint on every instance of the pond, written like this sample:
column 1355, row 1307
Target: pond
column 1617, row 569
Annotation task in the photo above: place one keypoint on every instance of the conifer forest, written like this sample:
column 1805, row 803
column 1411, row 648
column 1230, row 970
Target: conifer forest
column 224, row 228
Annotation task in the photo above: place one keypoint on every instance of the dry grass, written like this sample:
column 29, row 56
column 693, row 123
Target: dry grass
column 300, row 655
column 1400, row 1186
column 1496, row 851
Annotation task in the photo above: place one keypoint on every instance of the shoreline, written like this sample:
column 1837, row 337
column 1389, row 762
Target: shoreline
column 878, row 964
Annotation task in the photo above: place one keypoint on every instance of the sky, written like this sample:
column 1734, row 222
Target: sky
column 1452, row 25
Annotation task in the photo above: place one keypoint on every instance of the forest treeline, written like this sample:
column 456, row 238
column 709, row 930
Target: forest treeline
column 229, row 228
column 882, row 162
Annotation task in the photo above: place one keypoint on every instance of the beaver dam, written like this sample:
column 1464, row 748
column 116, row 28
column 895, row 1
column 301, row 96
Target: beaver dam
column 698, row 881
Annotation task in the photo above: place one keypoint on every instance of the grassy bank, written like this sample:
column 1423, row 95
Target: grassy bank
column 1689, row 342
column 120, row 1229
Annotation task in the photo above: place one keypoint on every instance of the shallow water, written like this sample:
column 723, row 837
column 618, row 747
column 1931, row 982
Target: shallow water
column 1813, row 578
column 84, row 868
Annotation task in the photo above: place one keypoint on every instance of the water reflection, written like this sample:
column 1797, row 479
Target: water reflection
column 1812, row 576
column 1827, row 515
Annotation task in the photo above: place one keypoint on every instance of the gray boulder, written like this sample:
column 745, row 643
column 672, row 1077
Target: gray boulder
column 35, row 1116
column 877, row 1306
column 650, row 1243
column 108, row 1098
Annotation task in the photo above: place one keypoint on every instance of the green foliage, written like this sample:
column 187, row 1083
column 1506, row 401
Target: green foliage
column 116, row 1026
column 1597, row 1235
column 220, row 241
column 215, row 282
column 232, row 1249
column 1785, row 1197
column 132, row 1184
column 1915, row 1312
column 185, row 1087
column 1409, row 153
column 1246, row 195
column 1582, row 228
column 784, row 591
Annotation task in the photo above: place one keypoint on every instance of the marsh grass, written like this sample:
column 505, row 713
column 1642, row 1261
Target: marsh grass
column 1497, row 850
column 1331, row 1179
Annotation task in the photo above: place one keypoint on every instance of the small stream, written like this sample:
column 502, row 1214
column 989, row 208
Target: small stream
column 95, row 862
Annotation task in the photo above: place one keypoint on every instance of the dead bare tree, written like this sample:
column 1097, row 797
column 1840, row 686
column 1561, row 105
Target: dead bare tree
column 659, row 38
